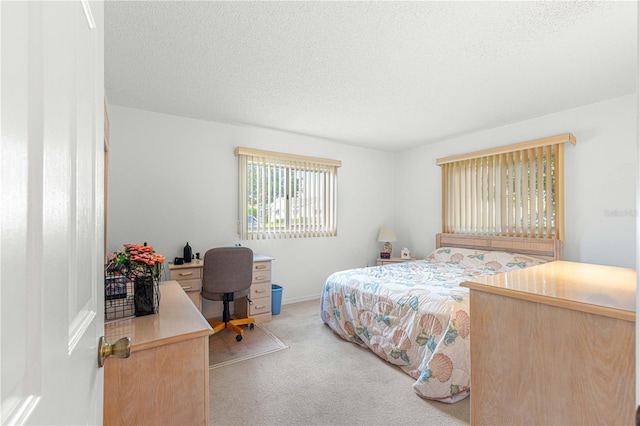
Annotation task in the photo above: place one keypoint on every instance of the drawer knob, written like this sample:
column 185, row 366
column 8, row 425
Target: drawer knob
column 184, row 274
column 261, row 277
column 261, row 290
column 188, row 287
column 261, row 266
column 260, row 307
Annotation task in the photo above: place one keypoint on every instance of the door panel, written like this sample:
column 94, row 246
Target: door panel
column 51, row 214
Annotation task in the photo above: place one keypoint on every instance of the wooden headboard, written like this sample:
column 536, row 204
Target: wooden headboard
column 547, row 248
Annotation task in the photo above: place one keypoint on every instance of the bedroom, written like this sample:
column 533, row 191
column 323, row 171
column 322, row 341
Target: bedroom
column 188, row 171
column 395, row 186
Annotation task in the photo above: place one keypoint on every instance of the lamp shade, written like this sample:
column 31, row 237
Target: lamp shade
column 386, row 235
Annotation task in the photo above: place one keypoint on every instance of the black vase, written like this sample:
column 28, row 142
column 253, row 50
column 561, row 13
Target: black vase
column 146, row 296
column 187, row 253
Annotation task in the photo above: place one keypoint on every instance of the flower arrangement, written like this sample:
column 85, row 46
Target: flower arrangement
column 143, row 267
column 136, row 261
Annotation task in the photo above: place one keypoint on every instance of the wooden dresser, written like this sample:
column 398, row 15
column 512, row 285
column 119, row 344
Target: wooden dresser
column 189, row 276
column 165, row 381
column 553, row 344
column 260, row 293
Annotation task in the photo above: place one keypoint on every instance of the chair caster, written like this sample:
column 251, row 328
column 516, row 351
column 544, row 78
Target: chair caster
column 251, row 326
column 239, row 337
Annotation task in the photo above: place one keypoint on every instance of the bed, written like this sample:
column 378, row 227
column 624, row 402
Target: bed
column 416, row 316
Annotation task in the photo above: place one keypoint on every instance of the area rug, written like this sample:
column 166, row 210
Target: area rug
column 225, row 350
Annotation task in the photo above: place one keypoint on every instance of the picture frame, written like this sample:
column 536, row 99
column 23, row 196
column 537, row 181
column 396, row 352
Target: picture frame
column 405, row 254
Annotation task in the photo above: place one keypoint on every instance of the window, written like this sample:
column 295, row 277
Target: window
column 516, row 190
column 286, row 196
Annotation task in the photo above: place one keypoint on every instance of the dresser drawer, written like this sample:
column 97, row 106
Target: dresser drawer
column 182, row 274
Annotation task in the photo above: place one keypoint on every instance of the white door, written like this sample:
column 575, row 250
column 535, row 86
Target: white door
column 51, row 189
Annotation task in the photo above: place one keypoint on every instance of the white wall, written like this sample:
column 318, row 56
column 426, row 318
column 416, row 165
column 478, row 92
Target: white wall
column 600, row 182
column 174, row 180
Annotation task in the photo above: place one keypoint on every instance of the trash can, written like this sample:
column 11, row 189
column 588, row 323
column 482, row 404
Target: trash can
column 276, row 299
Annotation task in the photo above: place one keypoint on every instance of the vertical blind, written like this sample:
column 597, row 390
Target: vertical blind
column 516, row 190
column 286, row 196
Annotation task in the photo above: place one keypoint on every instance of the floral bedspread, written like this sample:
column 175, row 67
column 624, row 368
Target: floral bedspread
column 415, row 315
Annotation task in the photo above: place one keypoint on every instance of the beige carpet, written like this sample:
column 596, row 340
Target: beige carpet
column 320, row 380
column 224, row 349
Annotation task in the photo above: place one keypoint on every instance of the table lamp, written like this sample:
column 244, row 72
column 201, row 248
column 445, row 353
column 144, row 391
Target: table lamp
column 386, row 236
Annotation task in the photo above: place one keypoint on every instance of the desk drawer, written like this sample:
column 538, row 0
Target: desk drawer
column 260, row 306
column 191, row 285
column 261, row 277
column 260, row 290
column 183, row 274
column 261, row 266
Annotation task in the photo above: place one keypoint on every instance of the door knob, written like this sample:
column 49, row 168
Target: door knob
column 119, row 349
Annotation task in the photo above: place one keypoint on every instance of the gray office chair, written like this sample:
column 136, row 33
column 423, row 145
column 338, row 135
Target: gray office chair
column 227, row 273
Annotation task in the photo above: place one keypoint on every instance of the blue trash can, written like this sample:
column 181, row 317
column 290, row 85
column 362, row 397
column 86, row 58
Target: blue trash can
column 276, row 298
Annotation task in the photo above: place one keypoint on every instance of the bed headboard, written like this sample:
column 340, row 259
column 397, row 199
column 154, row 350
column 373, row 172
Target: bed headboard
column 547, row 248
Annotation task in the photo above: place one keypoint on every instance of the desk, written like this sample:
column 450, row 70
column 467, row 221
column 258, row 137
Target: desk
column 189, row 275
column 166, row 379
column 553, row 344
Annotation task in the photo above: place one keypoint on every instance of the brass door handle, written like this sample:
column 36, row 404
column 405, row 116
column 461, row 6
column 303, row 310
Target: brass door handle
column 119, row 349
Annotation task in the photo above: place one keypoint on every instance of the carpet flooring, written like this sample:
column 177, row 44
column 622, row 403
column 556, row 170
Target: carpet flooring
column 320, row 380
column 224, row 349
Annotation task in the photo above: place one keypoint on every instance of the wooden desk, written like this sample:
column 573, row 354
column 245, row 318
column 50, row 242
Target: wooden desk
column 190, row 276
column 165, row 381
column 553, row 344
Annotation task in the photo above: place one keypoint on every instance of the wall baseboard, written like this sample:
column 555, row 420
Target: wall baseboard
column 300, row 299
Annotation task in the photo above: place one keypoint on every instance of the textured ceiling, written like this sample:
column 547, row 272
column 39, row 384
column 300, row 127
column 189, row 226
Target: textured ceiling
column 385, row 75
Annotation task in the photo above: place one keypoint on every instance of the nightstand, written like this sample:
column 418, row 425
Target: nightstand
column 380, row 261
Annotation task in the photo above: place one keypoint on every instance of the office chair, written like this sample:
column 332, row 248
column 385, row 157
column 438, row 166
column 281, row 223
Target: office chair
column 228, row 273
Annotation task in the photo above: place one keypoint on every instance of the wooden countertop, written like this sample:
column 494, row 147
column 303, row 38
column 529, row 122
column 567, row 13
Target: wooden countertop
column 261, row 258
column 199, row 263
column 196, row 263
column 178, row 319
column 596, row 289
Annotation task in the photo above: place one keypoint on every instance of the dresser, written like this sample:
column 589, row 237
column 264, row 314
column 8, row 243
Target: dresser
column 189, row 276
column 259, row 294
column 553, row 344
column 165, row 381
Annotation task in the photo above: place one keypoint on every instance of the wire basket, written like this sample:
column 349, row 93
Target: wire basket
column 124, row 298
column 118, row 297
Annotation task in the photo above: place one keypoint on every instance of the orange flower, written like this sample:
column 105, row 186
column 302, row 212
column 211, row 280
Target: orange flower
column 136, row 260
